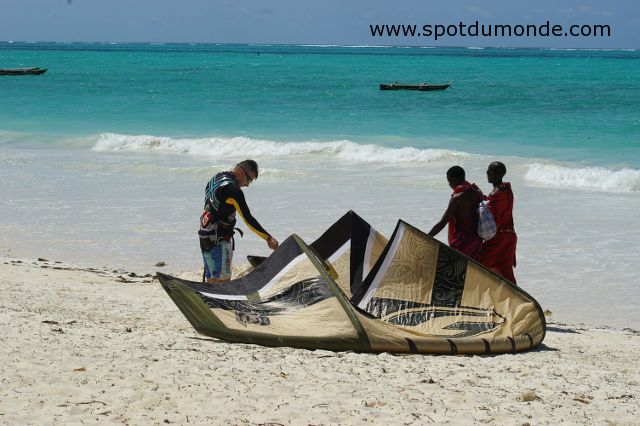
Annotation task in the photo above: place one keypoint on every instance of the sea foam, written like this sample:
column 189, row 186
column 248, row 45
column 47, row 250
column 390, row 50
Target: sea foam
column 599, row 178
column 242, row 146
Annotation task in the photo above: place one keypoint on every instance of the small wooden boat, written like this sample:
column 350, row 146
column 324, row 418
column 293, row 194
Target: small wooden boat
column 420, row 86
column 22, row 71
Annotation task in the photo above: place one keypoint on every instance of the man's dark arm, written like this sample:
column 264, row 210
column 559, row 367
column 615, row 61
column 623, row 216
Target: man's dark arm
column 448, row 214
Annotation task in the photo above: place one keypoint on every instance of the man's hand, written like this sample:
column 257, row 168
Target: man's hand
column 272, row 243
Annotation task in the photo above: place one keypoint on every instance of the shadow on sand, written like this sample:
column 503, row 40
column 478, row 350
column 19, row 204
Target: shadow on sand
column 562, row 330
column 544, row 348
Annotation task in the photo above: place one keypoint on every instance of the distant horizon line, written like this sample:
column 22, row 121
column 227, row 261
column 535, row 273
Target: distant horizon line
column 192, row 43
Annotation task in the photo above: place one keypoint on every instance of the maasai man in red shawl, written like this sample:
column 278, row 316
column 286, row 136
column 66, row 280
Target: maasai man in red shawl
column 461, row 214
column 499, row 253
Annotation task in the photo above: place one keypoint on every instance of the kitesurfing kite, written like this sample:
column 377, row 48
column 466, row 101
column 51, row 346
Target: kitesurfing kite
column 352, row 289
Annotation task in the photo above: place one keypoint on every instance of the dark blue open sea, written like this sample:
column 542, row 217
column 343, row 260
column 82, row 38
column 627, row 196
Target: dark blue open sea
column 103, row 159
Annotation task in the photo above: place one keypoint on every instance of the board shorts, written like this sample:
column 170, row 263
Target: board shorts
column 217, row 261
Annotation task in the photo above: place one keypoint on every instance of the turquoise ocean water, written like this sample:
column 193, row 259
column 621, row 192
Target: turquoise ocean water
column 570, row 105
column 103, row 159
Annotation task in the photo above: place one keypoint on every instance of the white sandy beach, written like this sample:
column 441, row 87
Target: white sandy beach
column 86, row 346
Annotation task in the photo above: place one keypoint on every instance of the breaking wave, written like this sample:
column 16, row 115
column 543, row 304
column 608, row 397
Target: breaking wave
column 600, row 178
column 247, row 147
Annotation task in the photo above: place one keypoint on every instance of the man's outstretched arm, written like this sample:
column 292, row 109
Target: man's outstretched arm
column 236, row 199
column 448, row 214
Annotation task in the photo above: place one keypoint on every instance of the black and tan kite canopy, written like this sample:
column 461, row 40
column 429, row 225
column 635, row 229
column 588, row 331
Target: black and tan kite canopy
column 352, row 289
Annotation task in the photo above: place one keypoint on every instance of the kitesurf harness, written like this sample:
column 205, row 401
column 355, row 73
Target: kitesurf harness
column 213, row 227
